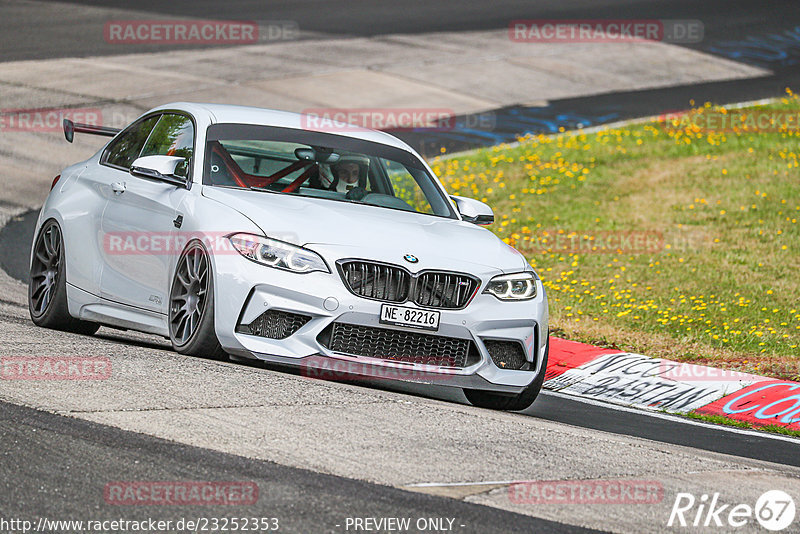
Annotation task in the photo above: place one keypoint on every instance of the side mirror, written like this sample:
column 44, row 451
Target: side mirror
column 474, row 211
column 161, row 168
column 69, row 130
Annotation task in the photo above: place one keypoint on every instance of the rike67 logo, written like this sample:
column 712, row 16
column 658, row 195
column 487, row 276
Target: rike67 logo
column 774, row 510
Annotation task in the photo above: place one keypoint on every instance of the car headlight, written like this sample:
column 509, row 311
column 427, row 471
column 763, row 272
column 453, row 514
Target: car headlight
column 519, row 286
column 278, row 254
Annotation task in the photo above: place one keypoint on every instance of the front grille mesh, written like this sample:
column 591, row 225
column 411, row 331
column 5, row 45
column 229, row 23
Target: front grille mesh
column 399, row 345
column 435, row 289
column 376, row 281
column 275, row 324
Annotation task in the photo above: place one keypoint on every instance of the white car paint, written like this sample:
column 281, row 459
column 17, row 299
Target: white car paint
column 132, row 291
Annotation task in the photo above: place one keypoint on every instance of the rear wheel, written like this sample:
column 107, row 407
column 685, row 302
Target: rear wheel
column 191, row 306
column 494, row 401
column 47, row 284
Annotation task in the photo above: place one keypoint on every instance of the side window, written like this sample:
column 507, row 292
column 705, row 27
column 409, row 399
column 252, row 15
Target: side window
column 172, row 136
column 125, row 149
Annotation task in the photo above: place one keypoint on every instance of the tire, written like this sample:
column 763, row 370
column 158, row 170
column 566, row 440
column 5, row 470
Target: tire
column 514, row 403
column 191, row 306
column 47, row 284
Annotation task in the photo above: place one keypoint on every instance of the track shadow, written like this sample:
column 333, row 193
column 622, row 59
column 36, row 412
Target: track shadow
column 15, row 244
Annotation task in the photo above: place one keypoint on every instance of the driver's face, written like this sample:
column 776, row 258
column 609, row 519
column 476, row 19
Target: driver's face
column 347, row 172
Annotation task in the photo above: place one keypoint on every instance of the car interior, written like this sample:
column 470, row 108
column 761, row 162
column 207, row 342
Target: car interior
column 298, row 171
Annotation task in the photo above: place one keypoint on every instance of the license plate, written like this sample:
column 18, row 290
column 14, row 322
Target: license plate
column 402, row 316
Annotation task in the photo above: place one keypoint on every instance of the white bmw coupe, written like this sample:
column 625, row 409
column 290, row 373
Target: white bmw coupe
column 242, row 232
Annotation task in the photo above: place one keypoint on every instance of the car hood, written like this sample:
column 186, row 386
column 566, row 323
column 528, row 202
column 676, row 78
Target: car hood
column 340, row 230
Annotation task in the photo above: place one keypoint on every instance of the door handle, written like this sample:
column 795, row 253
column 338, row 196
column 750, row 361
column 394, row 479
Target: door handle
column 118, row 188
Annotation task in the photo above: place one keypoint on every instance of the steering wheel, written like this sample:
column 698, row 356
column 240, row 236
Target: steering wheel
column 357, row 193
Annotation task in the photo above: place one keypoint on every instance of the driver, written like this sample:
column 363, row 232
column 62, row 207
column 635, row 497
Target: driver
column 346, row 174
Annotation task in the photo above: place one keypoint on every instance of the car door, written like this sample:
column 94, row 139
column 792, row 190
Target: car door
column 139, row 221
column 87, row 246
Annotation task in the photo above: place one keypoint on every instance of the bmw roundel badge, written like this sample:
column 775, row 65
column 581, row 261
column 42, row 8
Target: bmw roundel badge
column 410, row 258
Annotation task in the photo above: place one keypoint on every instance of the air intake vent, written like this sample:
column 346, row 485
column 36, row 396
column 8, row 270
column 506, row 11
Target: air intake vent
column 275, row 324
column 506, row 354
column 399, row 345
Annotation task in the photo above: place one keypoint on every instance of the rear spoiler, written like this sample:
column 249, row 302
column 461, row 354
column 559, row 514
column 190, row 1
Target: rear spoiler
column 71, row 127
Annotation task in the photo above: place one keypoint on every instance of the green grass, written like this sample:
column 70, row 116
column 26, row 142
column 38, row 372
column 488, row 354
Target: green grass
column 727, row 421
column 719, row 420
column 717, row 282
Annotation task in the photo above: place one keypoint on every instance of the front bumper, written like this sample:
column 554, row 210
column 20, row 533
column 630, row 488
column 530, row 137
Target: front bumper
column 245, row 290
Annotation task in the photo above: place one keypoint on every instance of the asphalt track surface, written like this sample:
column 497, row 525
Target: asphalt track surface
column 89, row 456
column 70, row 36
column 17, row 235
column 766, row 35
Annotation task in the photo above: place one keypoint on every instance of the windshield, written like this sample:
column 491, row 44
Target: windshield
column 320, row 165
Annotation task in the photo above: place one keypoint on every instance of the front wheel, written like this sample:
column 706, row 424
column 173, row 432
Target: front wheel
column 514, row 403
column 191, row 305
column 47, row 284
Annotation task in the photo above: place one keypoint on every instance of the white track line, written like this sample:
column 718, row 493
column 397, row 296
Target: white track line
column 445, row 484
